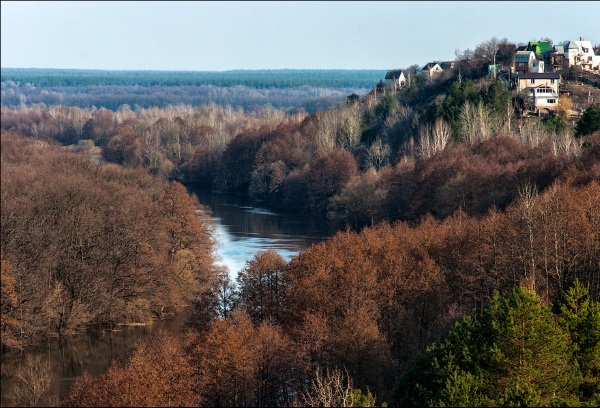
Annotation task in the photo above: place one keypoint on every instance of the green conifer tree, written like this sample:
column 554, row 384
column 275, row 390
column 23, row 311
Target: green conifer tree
column 514, row 354
column 530, row 352
column 581, row 318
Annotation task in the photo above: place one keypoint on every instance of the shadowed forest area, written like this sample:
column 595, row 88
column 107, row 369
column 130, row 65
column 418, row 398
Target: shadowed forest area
column 464, row 270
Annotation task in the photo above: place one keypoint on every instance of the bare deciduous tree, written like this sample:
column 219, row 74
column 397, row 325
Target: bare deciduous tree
column 33, row 378
column 567, row 144
column 528, row 199
column 441, row 133
column 378, row 154
column 485, row 52
column 475, row 122
column 434, row 138
column 330, row 389
column 348, row 135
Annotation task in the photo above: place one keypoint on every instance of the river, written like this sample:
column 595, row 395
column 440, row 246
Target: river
column 241, row 230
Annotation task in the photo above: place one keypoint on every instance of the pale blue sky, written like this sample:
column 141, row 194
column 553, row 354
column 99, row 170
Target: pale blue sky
column 224, row 35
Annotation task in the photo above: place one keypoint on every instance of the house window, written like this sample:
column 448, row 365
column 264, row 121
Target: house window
column 552, row 81
column 521, row 64
column 551, row 100
column 532, row 81
column 544, row 89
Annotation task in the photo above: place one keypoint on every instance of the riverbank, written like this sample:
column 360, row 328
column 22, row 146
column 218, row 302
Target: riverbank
column 242, row 230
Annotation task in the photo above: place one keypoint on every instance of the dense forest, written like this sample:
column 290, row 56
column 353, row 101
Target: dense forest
column 288, row 90
column 464, row 272
column 387, row 156
column 85, row 244
column 267, row 78
column 344, row 317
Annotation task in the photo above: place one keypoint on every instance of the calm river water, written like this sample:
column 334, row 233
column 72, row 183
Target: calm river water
column 242, row 230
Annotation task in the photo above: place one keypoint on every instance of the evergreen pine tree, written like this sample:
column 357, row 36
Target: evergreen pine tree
column 581, row 318
column 530, row 352
column 514, row 354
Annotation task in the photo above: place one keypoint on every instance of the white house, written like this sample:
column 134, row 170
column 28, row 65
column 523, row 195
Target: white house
column 537, row 66
column 581, row 53
column 541, row 89
column 524, row 61
column 395, row 79
column 431, row 69
column 446, row 65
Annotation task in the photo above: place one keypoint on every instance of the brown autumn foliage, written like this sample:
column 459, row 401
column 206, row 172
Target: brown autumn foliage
column 476, row 218
column 242, row 364
column 225, row 362
column 124, row 146
column 415, row 281
column 8, row 304
column 92, row 244
column 472, row 178
column 298, row 161
column 328, row 175
column 158, row 374
column 263, row 289
column 366, row 302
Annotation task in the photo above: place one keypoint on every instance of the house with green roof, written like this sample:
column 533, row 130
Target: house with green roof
column 539, row 47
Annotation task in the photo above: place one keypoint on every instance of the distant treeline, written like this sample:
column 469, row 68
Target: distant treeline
column 259, row 79
column 288, row 90
column 115, row 97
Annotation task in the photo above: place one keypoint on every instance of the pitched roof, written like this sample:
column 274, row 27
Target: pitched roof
column 540, row 75
column 539, row 47
column 429, row 66
column 586, row 44
column 523, row 56
column 394, row 74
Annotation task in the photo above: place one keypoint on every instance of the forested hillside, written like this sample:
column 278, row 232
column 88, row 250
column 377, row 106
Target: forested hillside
column 387, row 156
column 465, row 271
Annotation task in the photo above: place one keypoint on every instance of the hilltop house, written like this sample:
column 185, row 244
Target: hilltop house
column 446, row 65
column 539, row 48
column 395, row 79
column 557, row 56
column 581, row 53
column 540, row 89
column 524, row 61
column 431, row 69
column 537, row 66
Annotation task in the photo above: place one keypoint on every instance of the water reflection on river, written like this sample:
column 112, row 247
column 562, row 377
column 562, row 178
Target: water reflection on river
column 242, row 230
column 90, row 352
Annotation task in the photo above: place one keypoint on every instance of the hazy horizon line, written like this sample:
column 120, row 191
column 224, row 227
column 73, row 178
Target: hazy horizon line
column 200, row 70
